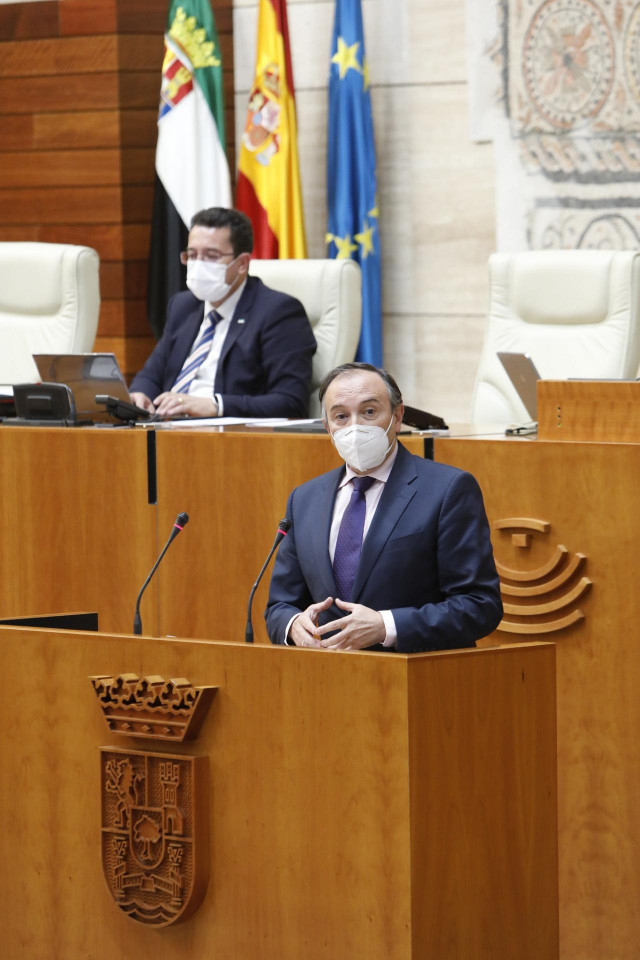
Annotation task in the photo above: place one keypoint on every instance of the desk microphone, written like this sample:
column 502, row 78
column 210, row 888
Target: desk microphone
column 283, row 526
column 181, row 521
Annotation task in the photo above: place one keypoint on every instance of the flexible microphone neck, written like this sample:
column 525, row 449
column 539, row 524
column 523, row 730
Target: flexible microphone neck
column 181, row 521
column 283, row 527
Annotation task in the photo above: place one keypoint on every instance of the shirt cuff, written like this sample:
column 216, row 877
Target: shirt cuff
column 391, row 637
column 218, row 399
column 287, row 642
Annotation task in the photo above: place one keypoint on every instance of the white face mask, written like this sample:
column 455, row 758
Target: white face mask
column 363, row 447
column 206, row 280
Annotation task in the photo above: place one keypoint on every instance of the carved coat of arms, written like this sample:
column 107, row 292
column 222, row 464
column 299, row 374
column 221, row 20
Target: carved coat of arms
column 154, row 819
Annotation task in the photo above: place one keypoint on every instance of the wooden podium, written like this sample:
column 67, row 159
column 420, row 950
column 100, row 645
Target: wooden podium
column 360, row 805
column 555, row 507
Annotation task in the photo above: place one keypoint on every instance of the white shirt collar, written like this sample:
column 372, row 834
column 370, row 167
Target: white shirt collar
column 226, row 309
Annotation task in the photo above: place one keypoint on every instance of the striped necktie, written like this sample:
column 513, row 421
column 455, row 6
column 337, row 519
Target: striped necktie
column 199, row 353
column 349, row 543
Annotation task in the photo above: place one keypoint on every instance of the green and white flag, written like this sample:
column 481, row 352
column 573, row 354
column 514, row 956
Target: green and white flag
column 191, row 163
column 190, row 156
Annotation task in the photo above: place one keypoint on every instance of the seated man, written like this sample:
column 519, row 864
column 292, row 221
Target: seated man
column 391, row 552
column 231, row 346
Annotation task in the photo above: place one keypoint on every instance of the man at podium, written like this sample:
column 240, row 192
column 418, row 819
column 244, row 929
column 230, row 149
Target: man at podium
column 389, row 552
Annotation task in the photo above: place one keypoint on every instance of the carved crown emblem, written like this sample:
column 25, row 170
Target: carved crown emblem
column 152, row 707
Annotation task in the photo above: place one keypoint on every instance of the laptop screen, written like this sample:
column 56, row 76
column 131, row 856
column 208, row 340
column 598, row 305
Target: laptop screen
column 522, row 372
column 87, row 374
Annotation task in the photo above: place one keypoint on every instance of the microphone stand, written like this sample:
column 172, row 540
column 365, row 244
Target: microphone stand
column 283, row 527
column 181, row 521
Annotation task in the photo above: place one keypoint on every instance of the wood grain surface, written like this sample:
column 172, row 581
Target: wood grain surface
column 78, row 532
column 361, row 805
column 587, row 493
column 589, row 410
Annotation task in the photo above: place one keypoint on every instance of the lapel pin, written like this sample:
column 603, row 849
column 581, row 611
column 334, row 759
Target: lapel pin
column 240, row 320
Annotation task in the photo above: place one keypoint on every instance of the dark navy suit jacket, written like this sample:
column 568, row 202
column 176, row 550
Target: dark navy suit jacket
column 265, row 365
column 427, row 557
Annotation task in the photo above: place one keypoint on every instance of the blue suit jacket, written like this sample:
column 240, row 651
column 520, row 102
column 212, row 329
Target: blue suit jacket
column 265, row 365
column 427, row 557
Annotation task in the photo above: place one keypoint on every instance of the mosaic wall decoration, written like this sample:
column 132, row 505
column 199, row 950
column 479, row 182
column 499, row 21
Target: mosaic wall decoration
column 567, row 144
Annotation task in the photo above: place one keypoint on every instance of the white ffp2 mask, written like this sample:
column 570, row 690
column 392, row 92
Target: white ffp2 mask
column 206, row 280
column 362, row 446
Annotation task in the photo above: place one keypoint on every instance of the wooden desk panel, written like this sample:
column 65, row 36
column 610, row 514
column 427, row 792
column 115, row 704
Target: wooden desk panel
column 362, row 805
column 77, row 530
column 588, row 493
column 235, row 487
column 589, row 410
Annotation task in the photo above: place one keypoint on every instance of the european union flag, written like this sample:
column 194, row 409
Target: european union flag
column 351, row 176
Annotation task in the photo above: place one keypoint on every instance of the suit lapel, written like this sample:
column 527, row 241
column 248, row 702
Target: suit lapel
column 239, row 323
column 398, row 493
column 323, row 507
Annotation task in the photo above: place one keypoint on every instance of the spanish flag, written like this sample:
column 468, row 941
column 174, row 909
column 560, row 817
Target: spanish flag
column 268, row 174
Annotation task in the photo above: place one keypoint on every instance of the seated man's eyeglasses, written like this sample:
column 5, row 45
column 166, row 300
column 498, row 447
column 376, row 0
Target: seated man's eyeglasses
column 209, row 256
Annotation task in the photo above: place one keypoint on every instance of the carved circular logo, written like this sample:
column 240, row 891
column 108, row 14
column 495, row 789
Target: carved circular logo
column 568, row 59
column 542, row 599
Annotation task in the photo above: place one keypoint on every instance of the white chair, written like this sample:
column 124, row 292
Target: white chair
column 49, row 303
column 575, row 312
column 330, row 292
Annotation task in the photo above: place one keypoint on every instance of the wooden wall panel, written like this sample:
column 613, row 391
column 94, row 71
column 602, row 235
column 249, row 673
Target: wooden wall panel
column 138, row 127
column 76, row 92
column 28, row 20
column 79, row 91
column 131, row 352
column 62, row 205
column 121, row 317
column 78, row 17
column 61, row 168
column 59, row 56
column 120, row 280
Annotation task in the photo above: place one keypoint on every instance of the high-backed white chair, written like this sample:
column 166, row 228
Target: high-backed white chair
column 575, row 312
column 330, row 292
column 49, row 303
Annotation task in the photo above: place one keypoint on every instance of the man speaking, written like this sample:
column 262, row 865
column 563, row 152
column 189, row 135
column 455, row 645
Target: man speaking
column 390, row 552
column 231, row 345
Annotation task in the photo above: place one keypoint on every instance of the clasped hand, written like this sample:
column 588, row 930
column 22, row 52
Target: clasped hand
column 362, row 627
column 171, row 405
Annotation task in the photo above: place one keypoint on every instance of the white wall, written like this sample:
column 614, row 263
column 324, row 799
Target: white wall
column 435, row 186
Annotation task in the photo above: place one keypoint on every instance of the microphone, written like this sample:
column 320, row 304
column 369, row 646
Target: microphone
column 181, row 521
column 283, row 527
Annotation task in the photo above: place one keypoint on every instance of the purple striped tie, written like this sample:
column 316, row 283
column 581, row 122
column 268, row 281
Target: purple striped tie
column 349, row 542
column 199, row 353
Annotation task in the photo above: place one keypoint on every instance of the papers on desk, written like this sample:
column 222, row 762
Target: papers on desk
column 195, row 422
column 278, row 421
column 6, row 390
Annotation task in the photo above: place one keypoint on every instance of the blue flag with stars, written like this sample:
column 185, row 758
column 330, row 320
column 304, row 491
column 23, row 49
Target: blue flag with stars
column 351, row 175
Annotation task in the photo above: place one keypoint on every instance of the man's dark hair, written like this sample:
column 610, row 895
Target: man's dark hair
column 392, row 387
column 240, row 229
